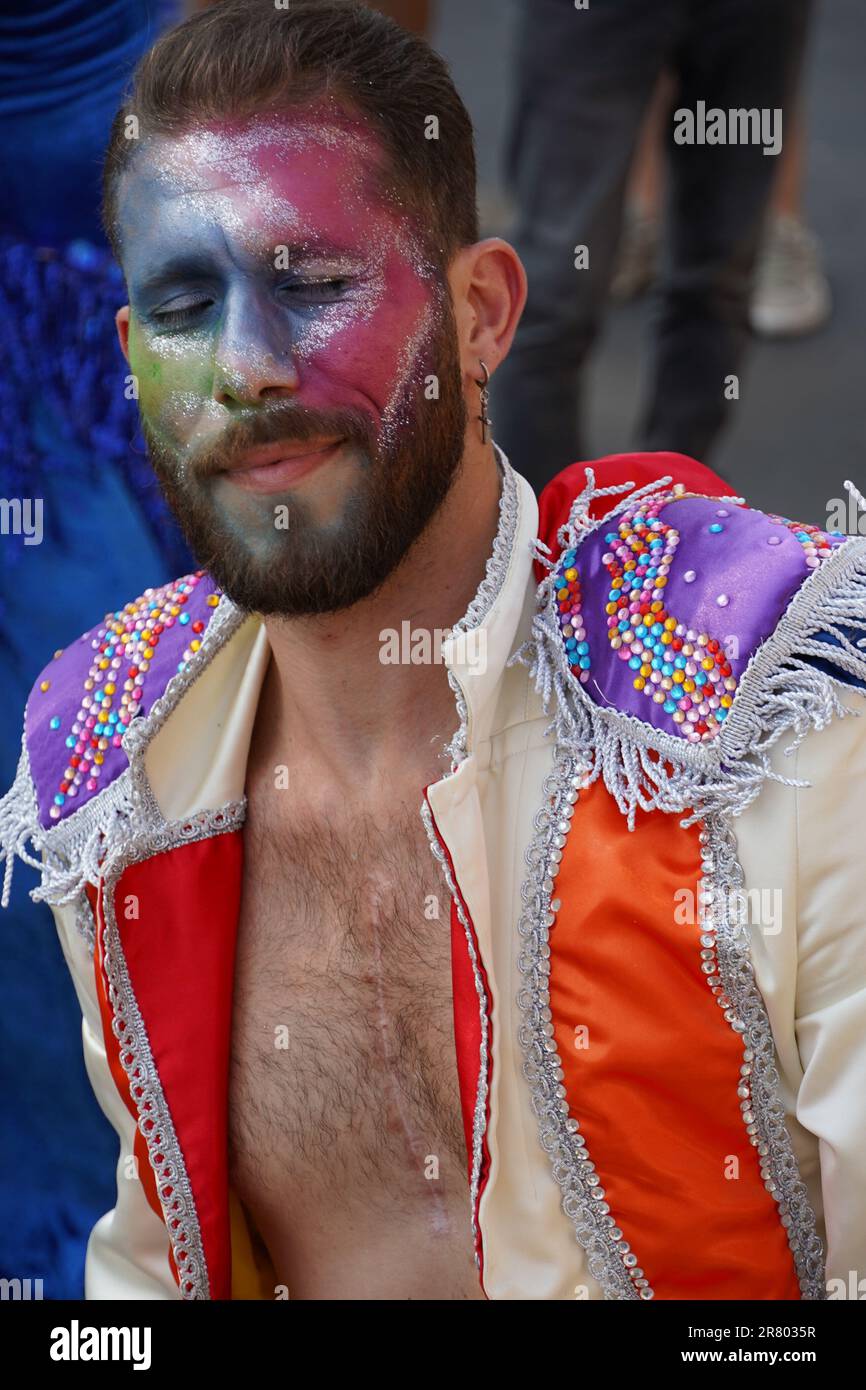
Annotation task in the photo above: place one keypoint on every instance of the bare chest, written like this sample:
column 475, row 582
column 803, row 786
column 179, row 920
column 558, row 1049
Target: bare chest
column 346, row 1135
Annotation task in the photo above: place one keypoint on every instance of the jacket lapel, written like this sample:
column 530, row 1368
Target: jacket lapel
column 166, row 933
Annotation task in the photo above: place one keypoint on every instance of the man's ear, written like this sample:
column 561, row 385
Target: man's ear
column 488, row 289
column 121, row 321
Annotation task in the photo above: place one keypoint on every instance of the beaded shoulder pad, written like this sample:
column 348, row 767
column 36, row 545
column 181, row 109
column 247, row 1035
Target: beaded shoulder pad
column 680, row 635
column 83, row 715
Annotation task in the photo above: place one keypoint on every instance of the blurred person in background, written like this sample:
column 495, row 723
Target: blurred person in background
column 584, row 80
column 790, row 293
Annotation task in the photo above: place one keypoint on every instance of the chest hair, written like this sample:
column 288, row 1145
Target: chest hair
column 343, row 1074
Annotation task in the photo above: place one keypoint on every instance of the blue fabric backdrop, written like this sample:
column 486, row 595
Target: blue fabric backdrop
column 68, row 435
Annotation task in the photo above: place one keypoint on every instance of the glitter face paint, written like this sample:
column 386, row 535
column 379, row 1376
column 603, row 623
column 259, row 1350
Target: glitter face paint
column 265, row 269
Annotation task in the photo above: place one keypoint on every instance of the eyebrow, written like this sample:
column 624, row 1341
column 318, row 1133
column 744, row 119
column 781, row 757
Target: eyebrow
column 175, row 268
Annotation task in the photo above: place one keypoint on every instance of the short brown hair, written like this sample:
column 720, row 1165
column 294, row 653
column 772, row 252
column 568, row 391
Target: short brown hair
column 242, row 57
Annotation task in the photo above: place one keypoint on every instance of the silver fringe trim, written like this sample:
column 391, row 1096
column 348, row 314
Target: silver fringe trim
column 779, row 691
column 154, row 1117
column 19, row 822
column 80, row 848
column 479, row 1118
column 610, row 1259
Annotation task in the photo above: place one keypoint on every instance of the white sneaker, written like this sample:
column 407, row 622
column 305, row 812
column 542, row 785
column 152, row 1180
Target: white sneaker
column 791, row 293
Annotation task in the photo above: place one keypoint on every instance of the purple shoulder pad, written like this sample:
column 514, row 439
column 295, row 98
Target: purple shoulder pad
column 661, row 607
column 89, row 694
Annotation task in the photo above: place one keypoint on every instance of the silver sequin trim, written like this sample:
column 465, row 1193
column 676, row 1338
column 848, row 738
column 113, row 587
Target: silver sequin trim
column 610, row 1259
column 780, row 690
column 731, row 977
column 121, row 826
column 154, row 1118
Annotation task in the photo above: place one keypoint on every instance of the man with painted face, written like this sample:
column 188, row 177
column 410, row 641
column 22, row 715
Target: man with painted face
column 607, row 1039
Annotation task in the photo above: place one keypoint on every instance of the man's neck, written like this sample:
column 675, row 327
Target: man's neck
column 330, row 703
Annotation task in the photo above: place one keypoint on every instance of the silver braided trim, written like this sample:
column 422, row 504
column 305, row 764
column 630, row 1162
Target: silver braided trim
column 780, row 690
column 487, row 592
column 618, row 747
column 84, row 923
column 610, row 1260
column 222, row 626
column 154, row 1118
column 19, row 824
column 495, row 573
column 500, row 556
column 78, row 849
column 727, row 965
column 479, row 1118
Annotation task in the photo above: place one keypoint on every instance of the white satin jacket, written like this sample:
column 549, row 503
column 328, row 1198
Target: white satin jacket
column 655, row 1106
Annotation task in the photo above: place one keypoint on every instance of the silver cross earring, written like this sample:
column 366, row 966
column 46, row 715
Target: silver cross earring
column 486, row 422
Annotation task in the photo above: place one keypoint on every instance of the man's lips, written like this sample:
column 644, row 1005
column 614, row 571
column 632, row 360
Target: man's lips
column 274, row 467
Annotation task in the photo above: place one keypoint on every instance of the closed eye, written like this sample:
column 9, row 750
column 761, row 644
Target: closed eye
column 316, row 291
column 182, row 312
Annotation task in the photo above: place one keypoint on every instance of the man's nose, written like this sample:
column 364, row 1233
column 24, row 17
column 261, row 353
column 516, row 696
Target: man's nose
column 254, row 359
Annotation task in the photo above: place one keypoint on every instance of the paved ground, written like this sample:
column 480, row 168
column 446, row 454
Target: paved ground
column 799, row 427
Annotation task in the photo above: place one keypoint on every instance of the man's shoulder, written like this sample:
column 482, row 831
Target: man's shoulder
column 90, row 692
column 676, row 621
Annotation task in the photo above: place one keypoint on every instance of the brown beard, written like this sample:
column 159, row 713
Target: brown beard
column 309, row 568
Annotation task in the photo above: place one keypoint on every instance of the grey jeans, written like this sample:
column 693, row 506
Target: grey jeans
column 583, row 81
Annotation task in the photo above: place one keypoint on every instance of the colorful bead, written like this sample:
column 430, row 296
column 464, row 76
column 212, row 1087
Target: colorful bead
column 640, row 558
column 125, row 644
column 684, row 671
column 566, row 586
column 817, row 545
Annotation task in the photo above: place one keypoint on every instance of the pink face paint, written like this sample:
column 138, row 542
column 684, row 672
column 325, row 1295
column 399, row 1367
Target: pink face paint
column 295, row 276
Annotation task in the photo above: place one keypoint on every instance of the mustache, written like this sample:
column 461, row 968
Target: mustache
column 276, row 423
